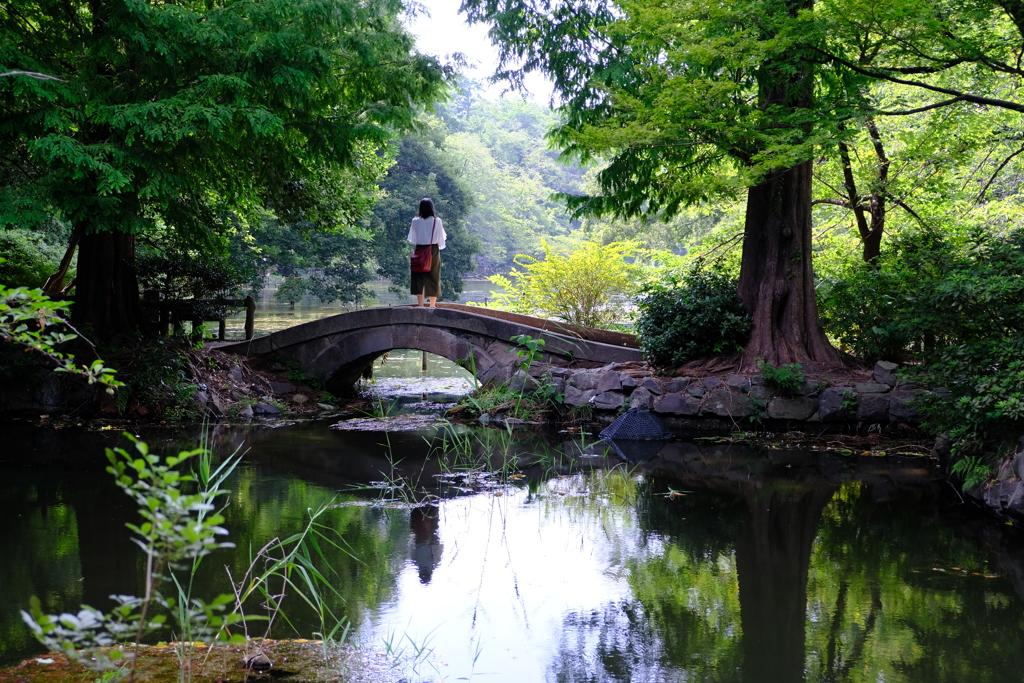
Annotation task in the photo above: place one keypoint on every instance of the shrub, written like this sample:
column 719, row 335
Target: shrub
column 985, row 413
column 689, row 315
column 930, row 292
column 953, row 303
column 578, row 285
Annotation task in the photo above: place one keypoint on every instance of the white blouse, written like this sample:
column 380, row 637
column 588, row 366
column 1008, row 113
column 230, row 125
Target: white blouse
column 419, row 232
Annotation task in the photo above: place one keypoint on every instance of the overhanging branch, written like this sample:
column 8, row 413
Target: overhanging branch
column 957, row 95
column 32, row 74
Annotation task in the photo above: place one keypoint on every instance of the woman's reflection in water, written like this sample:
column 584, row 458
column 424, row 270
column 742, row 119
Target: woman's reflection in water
column 426, row 544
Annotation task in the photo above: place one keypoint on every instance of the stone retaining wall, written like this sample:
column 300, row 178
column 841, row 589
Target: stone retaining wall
column 738, row 398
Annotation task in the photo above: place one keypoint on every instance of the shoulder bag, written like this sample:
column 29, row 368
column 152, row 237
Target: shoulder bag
column 421, row 259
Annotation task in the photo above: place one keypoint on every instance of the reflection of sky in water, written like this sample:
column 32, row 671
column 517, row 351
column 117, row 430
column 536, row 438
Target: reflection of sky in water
column 402, row 363
column 509, row 570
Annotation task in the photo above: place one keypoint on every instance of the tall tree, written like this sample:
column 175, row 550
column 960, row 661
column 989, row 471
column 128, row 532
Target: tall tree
column 688, row 101
column 189, row 114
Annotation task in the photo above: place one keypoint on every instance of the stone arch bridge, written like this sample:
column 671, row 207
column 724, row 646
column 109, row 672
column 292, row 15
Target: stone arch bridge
column 337, row 350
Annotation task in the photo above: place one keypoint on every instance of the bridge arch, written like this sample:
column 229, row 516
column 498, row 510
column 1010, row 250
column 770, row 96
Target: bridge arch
column 337, row 350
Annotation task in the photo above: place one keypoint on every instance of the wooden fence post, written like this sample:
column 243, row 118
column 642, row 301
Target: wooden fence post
column 250, row 317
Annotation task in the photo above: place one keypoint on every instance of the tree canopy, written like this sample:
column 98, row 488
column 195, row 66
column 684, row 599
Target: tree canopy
column 193, row 116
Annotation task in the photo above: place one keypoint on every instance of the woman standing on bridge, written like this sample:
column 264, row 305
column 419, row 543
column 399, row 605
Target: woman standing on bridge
column 427, row 229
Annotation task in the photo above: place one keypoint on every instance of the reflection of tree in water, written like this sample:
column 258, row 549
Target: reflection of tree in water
column 773, row 556
column 683, row 623
column 40, row 547
column 798, row 576
column 905, row 597
column 361, row 552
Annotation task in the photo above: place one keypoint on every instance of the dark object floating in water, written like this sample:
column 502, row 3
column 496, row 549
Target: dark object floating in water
column 636, row 424
column 257, row 661
column 636, row 435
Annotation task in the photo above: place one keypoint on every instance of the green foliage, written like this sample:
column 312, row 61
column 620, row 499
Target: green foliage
column 787, row 378
column 158, row 380
column 530, row 350
column 29, row 259
column 973, row 470
column 501, row 398
column 534, row 395
column 330, row 265
column 182, row 510
column 189, row 274
column 690, row 314
column 32, row 320
column 686, row 101
column 183, row 120
column 179, row 523
column 984, row 416
column 897, row 43
column 928, row 293
column 500, row 145
column 527, row 349
column 193, row 279
column 950, row 301
column 292, row 289
column 585, row 285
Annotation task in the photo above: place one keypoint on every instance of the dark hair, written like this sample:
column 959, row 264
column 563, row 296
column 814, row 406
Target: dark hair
column 426, row 208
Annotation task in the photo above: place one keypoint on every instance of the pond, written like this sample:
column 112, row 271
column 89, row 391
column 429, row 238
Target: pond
column 539, row 557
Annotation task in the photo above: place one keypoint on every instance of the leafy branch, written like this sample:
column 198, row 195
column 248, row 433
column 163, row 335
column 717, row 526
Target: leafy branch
column 31, row 319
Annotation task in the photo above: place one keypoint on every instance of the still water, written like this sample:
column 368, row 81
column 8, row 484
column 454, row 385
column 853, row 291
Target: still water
column 704, row 562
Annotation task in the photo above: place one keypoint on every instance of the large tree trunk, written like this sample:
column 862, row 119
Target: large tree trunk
column 777, row 276
column 107, row 303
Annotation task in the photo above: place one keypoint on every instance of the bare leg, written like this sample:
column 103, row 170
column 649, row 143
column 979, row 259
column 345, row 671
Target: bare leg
column 433, row 302
column 419, row 299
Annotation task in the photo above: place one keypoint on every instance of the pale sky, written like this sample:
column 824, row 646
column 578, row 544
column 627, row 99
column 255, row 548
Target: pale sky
column 445, row 31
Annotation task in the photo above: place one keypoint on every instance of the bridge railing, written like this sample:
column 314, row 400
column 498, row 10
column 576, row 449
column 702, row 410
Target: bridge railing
column 173, row 312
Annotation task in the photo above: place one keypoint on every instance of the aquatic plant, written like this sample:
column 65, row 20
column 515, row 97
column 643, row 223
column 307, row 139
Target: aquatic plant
column 181, row 524
column 178, row 526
